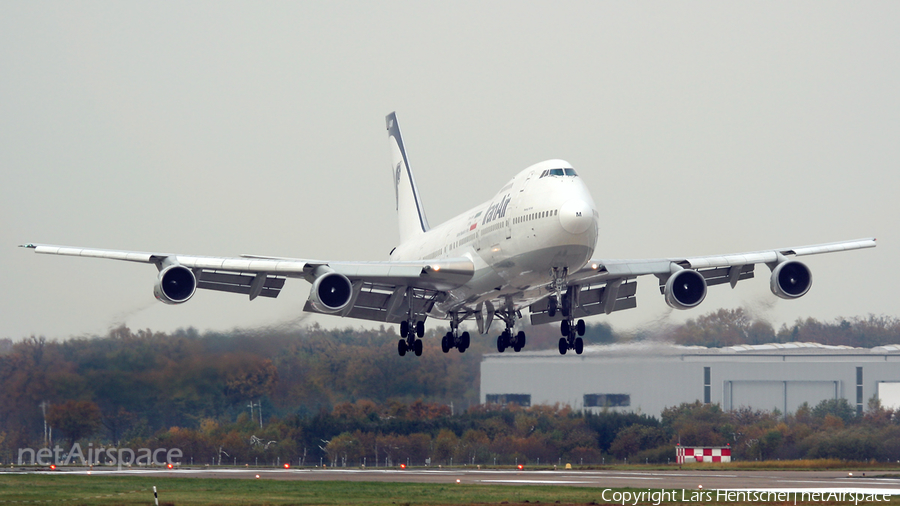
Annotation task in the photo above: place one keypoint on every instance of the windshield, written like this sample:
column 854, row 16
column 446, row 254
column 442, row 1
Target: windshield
column 558, row 172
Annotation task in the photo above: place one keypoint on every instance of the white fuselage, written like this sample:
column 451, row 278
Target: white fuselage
column 543, row 219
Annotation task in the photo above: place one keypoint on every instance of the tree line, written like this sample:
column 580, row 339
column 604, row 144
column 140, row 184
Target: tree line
column 341, row 396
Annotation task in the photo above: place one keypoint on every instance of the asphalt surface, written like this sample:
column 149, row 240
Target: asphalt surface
column 674, row 479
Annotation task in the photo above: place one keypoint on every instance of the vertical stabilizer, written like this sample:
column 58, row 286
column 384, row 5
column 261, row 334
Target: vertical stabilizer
column 410, row 214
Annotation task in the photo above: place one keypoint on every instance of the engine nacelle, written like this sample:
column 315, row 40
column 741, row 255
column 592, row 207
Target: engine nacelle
column 330, row 292
column 685, row 289
column 176, row 284
column 790, row 280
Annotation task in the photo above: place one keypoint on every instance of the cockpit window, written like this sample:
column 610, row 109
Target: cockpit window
column 558, row 172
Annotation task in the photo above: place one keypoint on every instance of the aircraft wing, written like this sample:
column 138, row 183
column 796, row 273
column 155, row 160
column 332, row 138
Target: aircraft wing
column 378, row 290
column 608, row 285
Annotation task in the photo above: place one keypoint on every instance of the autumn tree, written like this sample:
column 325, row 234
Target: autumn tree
column 77, row 419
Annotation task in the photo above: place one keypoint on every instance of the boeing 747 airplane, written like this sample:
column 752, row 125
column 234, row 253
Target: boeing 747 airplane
column 530, row 247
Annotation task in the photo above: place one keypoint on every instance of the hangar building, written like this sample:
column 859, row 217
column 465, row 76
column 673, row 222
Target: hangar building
column 647, row 377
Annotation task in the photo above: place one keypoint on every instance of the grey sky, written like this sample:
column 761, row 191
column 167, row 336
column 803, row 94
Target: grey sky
column 224, row 128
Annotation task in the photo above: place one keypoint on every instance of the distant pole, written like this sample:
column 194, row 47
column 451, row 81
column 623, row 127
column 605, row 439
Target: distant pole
column 43, row 406
column 259, row 408
column 251, row 410
column 155, row 497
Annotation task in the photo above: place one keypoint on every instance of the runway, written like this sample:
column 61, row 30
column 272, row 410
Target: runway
column 795, row 481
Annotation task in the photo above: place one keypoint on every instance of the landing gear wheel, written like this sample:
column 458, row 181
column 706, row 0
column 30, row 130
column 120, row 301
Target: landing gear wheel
column 520, row 338
column 417, row 347
column 580, row 327
column 565, row 306
column 404, row 329
column 579, row 346
column 564, row 328
column 501, row 346
column 563, row 346
column 463, row 342
column 552, row 307
column 445, row 342
column 420, row 329
column 401, row 347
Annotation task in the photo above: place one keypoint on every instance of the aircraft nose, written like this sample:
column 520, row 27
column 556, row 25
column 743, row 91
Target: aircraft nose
column 576, row 216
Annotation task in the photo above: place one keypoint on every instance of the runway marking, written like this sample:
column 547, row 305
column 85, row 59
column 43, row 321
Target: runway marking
column 538, row 482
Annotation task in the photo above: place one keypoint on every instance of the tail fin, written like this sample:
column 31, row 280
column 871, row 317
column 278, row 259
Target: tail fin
column 410, row 214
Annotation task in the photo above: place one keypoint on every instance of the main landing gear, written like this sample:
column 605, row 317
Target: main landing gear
column 507, row 339
column 566, row 303
column 571, row 339
column 454, row 339
column 410, row 331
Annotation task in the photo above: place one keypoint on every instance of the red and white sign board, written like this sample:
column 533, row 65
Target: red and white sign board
column 694, row 454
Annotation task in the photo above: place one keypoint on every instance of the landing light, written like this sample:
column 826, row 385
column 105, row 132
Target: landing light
column 402, row 466
column 169, row 466
column 595, row 266
column 521, row 467
column 435, row 268
column 52, row 467
column 287, row 466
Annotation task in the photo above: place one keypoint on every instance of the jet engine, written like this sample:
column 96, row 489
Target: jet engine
column 790, row 280
column 176, row 284
column 685, row 289
column 330, row 292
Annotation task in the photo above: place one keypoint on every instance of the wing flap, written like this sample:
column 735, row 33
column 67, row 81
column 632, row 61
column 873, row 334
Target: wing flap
column 591, row 302
column 374, row 303
column 239, row 283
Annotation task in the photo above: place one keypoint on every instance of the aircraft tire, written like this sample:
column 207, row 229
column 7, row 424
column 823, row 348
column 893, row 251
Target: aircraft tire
column 520, row 338
column 563, row 346
column 404, row 328
column 500, row 344
column 564, row 328
column 417, row 347
column 580, row 327
column 579, row 346
column 401, row 347
column 420, row 329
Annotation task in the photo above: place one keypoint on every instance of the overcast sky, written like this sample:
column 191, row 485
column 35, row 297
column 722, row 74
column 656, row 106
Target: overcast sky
column 222, row 128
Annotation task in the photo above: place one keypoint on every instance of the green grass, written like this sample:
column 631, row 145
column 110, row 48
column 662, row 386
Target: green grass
column 77, row 490
column 127, row 490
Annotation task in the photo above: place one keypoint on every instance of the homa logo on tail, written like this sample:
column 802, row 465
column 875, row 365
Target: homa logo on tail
column 495, row 211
